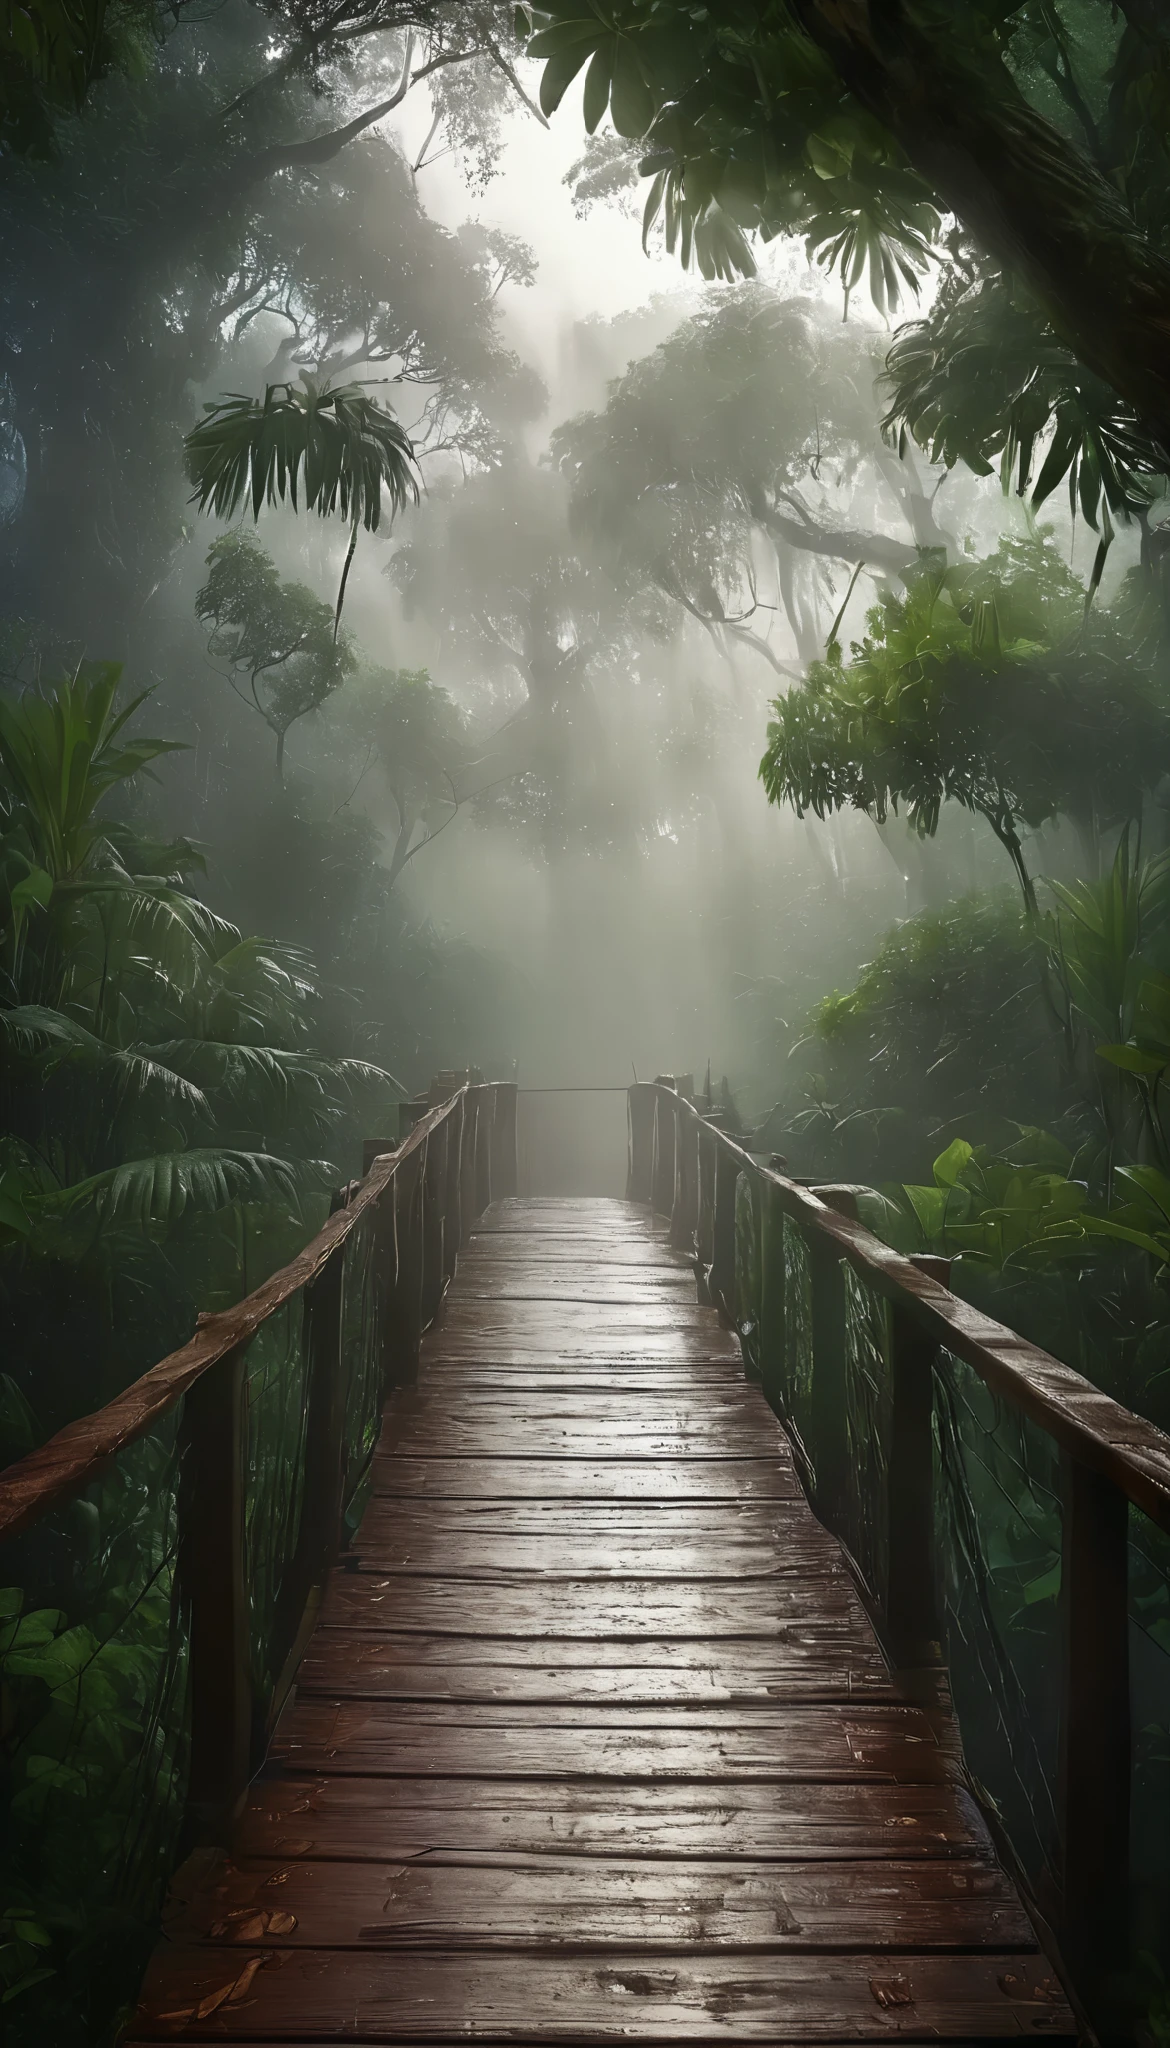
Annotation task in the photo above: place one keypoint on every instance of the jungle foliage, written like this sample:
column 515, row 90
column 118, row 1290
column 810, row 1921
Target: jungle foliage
column 1020, row 148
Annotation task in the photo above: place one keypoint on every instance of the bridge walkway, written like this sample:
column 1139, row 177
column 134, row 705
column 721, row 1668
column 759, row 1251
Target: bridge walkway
column 594, row 1741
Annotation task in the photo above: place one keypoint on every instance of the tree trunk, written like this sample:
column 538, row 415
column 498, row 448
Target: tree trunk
column 1029, row 197
column 842, row 543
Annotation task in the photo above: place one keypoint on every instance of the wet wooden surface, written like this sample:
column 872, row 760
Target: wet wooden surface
column 593, row 1741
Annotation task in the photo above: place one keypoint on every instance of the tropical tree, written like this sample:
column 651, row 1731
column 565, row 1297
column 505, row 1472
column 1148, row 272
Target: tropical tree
column 530, row 617
column 158, row 1068
column 1020, row 147
column 421, row 739
column 1040, row 132
column 337, row 450
column 276, row 637
column 745, row 443
column 52, row 52
column 990, row 686
column 218, row 220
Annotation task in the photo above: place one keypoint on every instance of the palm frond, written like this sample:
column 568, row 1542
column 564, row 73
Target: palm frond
column 161, row 1189
column 337, row 450
column 34, row 1030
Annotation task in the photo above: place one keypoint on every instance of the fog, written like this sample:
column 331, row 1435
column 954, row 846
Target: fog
column 519, row 825
column 613, row 895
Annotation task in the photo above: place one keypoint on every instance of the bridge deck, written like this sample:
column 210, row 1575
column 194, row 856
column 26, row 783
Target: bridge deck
column 595, row 1741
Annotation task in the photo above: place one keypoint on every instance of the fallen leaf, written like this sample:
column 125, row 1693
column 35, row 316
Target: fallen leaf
column 890, row 1991
column 281, row 1923
column 214, row 2000
column 252, row 1927
column 243, row 1983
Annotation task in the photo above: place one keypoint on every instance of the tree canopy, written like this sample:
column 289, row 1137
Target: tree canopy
column 1040, row 129
column 989, row 686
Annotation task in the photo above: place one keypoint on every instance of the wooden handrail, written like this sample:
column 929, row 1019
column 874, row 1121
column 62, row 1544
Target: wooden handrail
column 64, row 1466
column 1091, row 1426
column 426, row 1193
column 685, row 1166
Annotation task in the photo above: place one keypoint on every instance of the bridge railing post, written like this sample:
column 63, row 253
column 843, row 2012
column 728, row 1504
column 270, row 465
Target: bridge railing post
column 662, row 1177
column 405, row 1320
column 213, row 1448
column 684, row 1214
column 484, row 1107
column 503, row 1150
column 640, row 1100
column 773, row 1285
column 1095, row 1739
column 911, row 1618
column 722, row 1277
column 705, row 1220
column 830, row 1447
column 438, row 1254
column 468, row 1134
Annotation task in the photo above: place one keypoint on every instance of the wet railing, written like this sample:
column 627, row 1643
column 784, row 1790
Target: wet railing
column 1009, row 1526
column 162, row 1563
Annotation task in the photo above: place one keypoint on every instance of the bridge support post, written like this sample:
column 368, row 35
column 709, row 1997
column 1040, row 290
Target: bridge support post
column 406, row 1317
column 1095, row 1740
column 640, row 1172
column 319, row 1535
column 662, row 1178
column 911, row 1614
column 773, row 1336
column 212, row 1573
column 436, row 1208
column 705, row 1222
column 468, row 1147
column 684, row 1214
column 503, row 1149
column 484, row 1105
column 722, row 1281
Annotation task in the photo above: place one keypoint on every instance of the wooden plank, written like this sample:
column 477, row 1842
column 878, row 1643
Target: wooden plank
column 498, row 1435
column 577, row 1285
column 586, row 1479
column 702, row 1524
column 594, row 1611
column 498, row 1249
column 823, row 1744
column 447, row 1378
column 806, row 1664
column 651, row 1541
column 329, row 1995
column 628, row 1322
column 556, row 1401
column 596, row 1903
column 354, row 1818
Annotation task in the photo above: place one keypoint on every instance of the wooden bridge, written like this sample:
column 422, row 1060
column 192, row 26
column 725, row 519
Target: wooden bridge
column 586, row 1732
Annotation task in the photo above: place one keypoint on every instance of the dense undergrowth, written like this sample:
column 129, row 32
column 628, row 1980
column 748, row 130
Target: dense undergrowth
column 995, row 1075
column 171, row 1130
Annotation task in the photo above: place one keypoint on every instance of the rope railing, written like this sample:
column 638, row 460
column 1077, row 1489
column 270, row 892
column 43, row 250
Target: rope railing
column 1006, row 1520
column 162, row 1560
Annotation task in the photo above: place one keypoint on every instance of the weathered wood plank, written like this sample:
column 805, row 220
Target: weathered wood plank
column 330, row 1995
column 645, row 1542
column 593, row 1612
column 555, row 1902
column 808, row 1664
column 354, row 1818
column 586, row 1479
column 506, row 1436
column 822, row 1744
